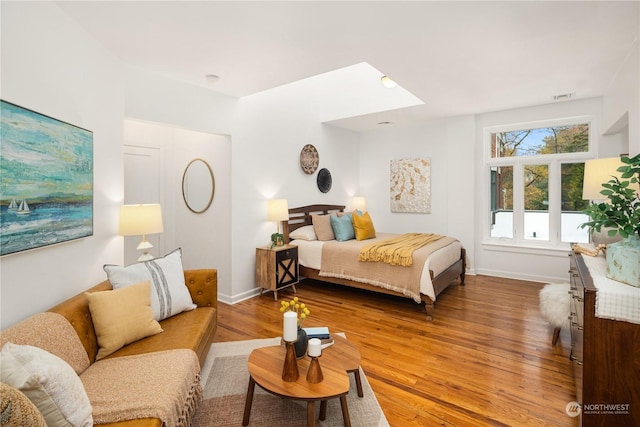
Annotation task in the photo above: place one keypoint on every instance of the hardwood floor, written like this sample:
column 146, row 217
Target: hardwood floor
column 485, row 360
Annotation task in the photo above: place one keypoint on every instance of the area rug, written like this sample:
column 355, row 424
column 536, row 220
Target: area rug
column 226, row 378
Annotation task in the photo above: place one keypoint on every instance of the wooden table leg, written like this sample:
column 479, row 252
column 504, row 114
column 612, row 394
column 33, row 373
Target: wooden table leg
column 323, row 410
column 311, row 413
column 356, row 374
column 345, row 411
column 248, row 402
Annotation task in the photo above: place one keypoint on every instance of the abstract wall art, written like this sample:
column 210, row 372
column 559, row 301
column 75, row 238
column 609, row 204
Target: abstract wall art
column 46, row 180
column 410, row 185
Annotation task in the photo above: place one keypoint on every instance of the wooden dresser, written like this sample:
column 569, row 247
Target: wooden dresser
column 605, row 355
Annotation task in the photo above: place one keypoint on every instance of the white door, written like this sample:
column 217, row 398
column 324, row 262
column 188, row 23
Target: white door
column 143, row 183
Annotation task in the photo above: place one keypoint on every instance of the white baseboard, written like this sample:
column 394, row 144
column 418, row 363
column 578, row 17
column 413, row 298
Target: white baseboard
column 233, row 299
column 519, row 276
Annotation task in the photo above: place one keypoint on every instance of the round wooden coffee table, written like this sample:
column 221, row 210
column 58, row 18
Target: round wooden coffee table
column 265, row 369
column 344, row 353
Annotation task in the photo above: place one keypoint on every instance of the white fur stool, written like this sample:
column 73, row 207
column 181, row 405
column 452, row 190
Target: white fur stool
column 555, row 307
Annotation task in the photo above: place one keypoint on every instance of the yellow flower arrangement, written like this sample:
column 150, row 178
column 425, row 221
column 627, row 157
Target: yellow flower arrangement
column 296, row 306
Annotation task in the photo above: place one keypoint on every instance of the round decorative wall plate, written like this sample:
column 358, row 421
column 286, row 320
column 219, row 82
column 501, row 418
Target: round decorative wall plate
column 309, row 159
column 324, row 180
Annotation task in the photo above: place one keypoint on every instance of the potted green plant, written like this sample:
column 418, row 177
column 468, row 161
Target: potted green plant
column 620, row 215
column 277, row 239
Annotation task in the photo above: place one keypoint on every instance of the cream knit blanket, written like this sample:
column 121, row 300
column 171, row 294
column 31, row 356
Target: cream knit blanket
column 340, row 260
column 398, row 250
column 164, row 385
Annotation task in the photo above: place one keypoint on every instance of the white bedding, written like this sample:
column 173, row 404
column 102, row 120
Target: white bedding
column 310, row 255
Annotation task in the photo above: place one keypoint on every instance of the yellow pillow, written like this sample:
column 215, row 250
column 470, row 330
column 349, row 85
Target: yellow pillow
column 122, row 316
column 363, row 226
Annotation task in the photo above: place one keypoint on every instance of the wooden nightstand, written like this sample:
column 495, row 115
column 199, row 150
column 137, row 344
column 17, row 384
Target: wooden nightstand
column 277, row 268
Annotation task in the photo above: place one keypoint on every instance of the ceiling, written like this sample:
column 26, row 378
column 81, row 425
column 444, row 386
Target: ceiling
column 457, row 57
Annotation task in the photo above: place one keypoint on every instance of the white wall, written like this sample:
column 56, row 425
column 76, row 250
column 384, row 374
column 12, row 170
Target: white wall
column 449, row 143
column 50, row 65
column 271, row 130
column 267, row 130
column 189, row 122
column 621, row 102
column 157, row 99
column 204, row 238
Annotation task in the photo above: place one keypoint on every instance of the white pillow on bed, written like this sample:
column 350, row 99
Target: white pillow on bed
column 304, row 233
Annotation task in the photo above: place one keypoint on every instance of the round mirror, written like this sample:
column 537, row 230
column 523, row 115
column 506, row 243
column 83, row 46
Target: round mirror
column 198, row 186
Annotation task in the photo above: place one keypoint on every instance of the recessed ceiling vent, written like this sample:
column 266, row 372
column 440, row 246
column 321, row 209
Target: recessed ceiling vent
column 563, row 96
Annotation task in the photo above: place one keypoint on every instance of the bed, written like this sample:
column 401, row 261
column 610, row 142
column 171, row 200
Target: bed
column 432, row 272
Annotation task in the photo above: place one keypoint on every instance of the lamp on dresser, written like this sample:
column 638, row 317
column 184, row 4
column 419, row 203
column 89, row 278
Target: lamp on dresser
column 141, row 220
column 620, row 215
column 597, row 172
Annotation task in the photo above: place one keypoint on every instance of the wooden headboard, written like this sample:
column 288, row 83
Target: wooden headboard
column 299, row 217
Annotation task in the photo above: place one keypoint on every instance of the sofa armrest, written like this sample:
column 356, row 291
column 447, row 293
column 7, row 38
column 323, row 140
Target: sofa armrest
column 76, row 311
column 203, row 286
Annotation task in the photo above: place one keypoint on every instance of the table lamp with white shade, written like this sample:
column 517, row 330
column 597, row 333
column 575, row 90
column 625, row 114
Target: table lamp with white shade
column 596, row 173
column 142, row 219
column 359, row 203
column 278, row 211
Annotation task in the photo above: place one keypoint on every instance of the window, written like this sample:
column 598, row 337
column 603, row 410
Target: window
column 502, row 201
column 535, row 182
column 541, row 141
column 536, row 202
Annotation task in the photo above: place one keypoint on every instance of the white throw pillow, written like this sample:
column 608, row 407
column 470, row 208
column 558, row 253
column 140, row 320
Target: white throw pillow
column 304, row 233
column 49, row 382
column 169, row 294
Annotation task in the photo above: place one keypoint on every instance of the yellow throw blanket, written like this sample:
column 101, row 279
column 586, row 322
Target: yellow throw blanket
column 398, row 250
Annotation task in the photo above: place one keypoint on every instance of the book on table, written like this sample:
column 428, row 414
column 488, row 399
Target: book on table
column 322, row 333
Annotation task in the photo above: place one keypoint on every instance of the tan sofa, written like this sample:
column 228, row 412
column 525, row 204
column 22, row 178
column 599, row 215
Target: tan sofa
column 191, row 330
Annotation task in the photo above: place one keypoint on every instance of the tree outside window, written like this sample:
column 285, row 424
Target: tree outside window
column 542, row 158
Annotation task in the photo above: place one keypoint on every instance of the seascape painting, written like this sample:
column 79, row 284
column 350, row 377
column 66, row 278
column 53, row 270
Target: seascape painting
column 46, row 180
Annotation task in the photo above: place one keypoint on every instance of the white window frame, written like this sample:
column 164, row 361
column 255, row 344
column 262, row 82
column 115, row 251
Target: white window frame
column 518, row 162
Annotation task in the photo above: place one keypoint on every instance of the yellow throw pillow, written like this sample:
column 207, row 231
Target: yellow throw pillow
column 122, row 316
column 363, row 226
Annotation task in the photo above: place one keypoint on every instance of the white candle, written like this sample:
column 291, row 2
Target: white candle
column 315, row 348
column 290, row 332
